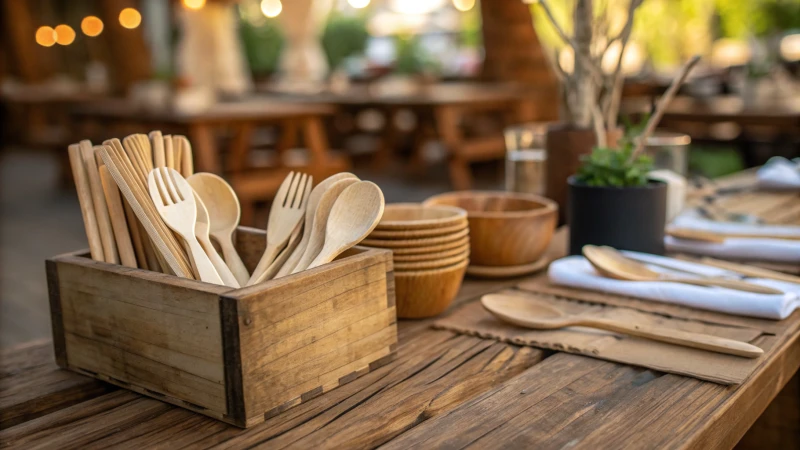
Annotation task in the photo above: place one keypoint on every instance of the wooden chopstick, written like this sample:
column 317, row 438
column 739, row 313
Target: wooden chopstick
column 159, row 158
column 187, row 160
column 104, row 227
column 86, row 202
column 122, row 235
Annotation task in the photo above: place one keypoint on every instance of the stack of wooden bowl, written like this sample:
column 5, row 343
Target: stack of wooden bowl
column 431, row 253
column 509, row 232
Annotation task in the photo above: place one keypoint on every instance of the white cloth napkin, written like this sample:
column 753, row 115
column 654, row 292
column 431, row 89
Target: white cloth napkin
column 755, row 248
column 576, row 271
column 779, row 173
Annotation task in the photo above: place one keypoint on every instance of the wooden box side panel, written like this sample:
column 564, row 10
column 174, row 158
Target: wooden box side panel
column 158, row 333
column 308, row 333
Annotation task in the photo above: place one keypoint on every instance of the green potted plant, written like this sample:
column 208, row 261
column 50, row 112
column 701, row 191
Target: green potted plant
column 612, row 200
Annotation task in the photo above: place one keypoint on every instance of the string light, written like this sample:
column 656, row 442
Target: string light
column 194, row 4
column 46, row 36
column 65, row 35
column 130, row 18
column 91, row 26
column 271, row 8
column 358, row 4
column 464, row 5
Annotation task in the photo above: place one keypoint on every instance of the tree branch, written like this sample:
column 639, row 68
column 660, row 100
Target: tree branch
column 666, row 99
column 614, row 84
column 585, row 59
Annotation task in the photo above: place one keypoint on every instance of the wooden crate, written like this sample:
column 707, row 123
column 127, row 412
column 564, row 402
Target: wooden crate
column 238, row 355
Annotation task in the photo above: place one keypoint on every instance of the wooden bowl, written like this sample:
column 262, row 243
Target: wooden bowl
column 415, row 216
column 506, row 228
column 430, row 249
column 398, row 258
column 437, row 263
column 426, row 293
column 409, row 243
column 417, row 234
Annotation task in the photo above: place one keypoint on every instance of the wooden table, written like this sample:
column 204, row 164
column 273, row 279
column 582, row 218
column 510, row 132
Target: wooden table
column 443, row 390
column 293, row 119
column 778, row 119
column 440, row 110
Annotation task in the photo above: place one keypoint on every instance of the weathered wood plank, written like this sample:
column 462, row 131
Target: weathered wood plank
column 32, row 386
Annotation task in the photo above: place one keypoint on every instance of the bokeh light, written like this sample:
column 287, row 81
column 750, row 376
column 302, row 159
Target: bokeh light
column 271, row 8
column 358, row 4
column 464, row 5
column 790, row 47
column 46, row 36
column 194, row 4
column 130, row 18
column 91, row 26
column 65, row 35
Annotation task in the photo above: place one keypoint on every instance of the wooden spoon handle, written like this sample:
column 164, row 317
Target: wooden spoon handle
column 678, row 337
column 234, row 261
column 266, row 260
column 219, row 264
column 205, row 268
column 751, row 271
column 730, row 284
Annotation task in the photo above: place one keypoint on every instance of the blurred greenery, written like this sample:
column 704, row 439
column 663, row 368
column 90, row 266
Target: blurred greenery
column 713, row 162
column 470, row 35
column 611, row 167
column 344, row 36
column 263, row 42
column 411, row 57
column 672, row 30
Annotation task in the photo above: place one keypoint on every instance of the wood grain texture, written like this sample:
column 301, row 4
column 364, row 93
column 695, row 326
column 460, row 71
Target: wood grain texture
column 442, row 389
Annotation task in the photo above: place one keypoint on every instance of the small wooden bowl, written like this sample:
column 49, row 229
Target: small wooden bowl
column 417, row 234
column 415, row 216
column 431, row 263
column 506, row 228
column 409, row 243
column 431, row 256
column 426, row 293
column 431, row 249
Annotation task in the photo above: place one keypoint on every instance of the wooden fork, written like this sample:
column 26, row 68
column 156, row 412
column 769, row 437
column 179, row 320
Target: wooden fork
column 288, row 209
column 174, row 200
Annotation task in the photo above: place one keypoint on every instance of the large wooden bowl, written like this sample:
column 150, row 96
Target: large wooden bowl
column 426, row 293
column 506, row 228
column 415, row 216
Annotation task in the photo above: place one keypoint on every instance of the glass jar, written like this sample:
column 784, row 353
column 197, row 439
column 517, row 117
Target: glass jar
column 669, row 151
column 526, row 158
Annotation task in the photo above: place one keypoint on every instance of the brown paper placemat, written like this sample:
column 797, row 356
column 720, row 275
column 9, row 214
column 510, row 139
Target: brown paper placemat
column 472, row 319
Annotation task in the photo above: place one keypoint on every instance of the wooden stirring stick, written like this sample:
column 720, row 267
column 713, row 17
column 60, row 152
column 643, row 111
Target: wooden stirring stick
column 116, row 213
column 110, row 254
column 86, row 203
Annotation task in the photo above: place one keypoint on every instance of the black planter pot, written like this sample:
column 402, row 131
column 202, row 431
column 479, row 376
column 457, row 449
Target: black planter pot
column 629, row 218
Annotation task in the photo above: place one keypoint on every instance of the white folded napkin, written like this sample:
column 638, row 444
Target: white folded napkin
column 779, row 173
column 576, row 271
column 755, row 248
column 692, row 220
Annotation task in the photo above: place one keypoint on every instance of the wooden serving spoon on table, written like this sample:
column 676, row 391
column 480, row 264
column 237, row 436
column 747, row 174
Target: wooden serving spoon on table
column 719, row 238
column 224, row 213
column 313, row 205
column 288, row 210
column 529, row 312
column 316, row 238
column 354, row 215
column 613, row 264
column 201, row 228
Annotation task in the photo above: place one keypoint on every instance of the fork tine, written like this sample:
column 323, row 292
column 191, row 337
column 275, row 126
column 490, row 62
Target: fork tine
column 182, row 186
column 280, row 196
column 170, row 186
column 292, row 190
column 294, row 201
column 307, row 192
column 302, row 195
column 155, row 190
column 158, row 184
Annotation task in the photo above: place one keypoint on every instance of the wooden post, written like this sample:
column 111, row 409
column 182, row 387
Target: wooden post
column 129, row 56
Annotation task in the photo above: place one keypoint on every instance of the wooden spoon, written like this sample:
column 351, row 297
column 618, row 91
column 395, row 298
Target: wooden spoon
column 530, row 312
column 354, row 215
column 719, row 238
column 223, row 213
column 313, row 203
column 319, row 224
column 613, row 264
column 201, row 231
